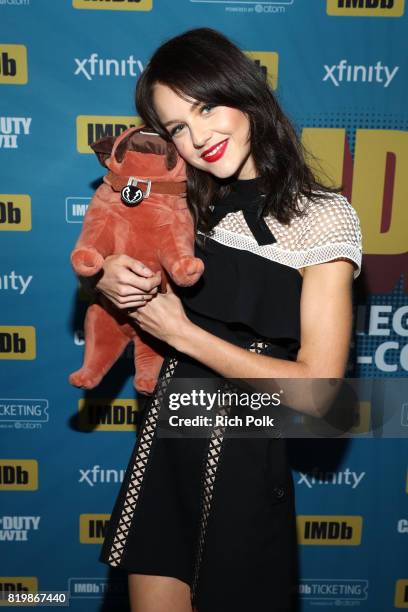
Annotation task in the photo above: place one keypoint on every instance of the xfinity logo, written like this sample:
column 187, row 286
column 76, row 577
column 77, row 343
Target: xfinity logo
column 96, row 475
column 316, row 477
column 14, row 282
column 341, row 73
column 96, row 66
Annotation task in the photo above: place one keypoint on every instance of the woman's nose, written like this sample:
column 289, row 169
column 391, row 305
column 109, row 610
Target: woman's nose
column 199, row 137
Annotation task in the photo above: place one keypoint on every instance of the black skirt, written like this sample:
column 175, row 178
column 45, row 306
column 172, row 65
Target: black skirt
column 215, row 511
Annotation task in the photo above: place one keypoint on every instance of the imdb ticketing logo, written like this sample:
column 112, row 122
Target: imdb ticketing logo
column 17, row 342
column 104, row 415
column 268, row 62
column 366, row 8
column 330, row 530
column 18, row 475
column 93, row 127
column 13, row 65
column 92, row 528
column 15, row 212
column 114, row 5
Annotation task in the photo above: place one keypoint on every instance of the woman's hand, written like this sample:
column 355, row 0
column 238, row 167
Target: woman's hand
column 164, row 318
column 127, row 282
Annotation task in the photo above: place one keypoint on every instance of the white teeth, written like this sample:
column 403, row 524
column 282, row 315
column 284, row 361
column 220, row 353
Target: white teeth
column 214, row 151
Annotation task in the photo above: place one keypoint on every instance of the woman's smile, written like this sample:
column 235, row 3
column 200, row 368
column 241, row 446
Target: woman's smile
column 215, row 153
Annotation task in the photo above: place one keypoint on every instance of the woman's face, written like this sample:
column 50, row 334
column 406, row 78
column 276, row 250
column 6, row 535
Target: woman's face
column 215, row 139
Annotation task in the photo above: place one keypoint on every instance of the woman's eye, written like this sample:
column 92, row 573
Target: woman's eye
column 207, row 107
column 176, row 129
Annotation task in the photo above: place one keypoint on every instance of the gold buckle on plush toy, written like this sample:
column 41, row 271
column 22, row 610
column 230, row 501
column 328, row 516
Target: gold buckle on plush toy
column 131, row 194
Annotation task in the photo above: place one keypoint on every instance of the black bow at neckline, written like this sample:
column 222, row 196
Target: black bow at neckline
column 252, row 216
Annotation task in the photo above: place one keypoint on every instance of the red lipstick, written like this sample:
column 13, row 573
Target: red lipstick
column 210, row 156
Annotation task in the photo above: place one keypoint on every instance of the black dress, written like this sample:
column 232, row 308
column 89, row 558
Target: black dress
column 217, row 511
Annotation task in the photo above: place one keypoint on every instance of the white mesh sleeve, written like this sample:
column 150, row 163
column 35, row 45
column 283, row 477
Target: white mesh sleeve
column 332, row 231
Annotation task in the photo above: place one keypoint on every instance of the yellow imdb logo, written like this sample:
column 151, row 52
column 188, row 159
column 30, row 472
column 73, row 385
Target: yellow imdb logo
column 12, row 584
column 268, row 62
column 401, row 594
column 114, row 5
column 93, row 127
column 15, row 212
column 329, row 530
column 13, row 65
column 366, row 8
column 18, row 475
column 17, row 342
column 92, row 528
column 103, row 414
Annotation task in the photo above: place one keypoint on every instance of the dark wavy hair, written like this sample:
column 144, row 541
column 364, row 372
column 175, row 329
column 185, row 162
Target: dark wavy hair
column 205, row 65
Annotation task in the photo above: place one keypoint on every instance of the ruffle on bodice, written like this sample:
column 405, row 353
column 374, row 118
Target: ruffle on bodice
column 239, row 287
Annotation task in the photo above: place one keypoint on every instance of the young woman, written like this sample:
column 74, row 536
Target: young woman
column 209, row 523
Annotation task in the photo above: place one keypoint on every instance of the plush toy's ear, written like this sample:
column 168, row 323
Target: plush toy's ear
column 171, row 156
column 103, row 148
column 145, row 140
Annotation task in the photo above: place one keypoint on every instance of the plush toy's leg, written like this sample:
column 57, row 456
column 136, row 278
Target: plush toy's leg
column 104, row 343
column 148, row 361
column 177, row 258
column 187, row 270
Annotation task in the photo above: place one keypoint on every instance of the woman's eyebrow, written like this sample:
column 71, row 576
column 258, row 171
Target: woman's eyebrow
column 193, row 107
